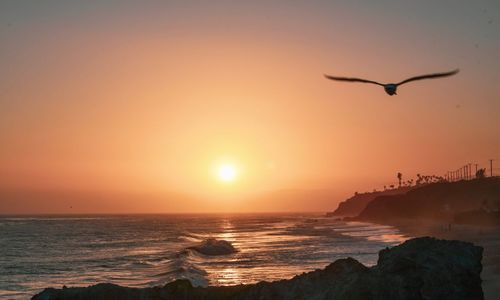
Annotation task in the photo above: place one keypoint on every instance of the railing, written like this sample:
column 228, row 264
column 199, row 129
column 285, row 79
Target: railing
column 473, row 170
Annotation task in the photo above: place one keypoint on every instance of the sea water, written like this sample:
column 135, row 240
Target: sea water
column 151, row 250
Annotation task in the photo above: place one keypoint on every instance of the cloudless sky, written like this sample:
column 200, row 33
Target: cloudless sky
column 143, row 100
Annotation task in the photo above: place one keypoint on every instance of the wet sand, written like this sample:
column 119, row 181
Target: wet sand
column 485, row 236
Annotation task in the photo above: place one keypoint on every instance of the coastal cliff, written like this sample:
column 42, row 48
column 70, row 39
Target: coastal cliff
column 421, row 268
column 355, row 204
column 444, row 201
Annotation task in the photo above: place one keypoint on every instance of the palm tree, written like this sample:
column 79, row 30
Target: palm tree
column 400, row 177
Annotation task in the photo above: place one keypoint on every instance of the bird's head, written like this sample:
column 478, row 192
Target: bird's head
column 390, row 89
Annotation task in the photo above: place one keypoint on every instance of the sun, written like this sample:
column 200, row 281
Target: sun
column 227, row 173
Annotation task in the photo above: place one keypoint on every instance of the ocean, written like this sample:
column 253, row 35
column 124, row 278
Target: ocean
column 150, row 250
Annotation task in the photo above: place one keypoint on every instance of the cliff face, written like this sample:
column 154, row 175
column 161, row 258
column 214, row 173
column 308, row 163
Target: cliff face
column 422, row 268
column 354, row 205
column 440, row 201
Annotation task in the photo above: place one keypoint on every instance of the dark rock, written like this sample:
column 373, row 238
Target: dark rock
column 422, row 268
column 214, row 247
column 439, row 269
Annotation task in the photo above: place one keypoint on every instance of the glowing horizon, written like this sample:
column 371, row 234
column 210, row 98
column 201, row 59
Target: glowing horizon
column 152, row 98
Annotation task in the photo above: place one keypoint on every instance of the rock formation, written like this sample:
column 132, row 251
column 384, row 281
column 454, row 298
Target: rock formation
column 214, row 247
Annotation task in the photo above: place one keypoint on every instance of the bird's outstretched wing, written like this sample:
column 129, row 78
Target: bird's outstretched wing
column 351, row 79
column 429, row 76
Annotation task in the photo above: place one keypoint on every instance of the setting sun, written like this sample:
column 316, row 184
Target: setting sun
column 227, row 173
column 224, row 149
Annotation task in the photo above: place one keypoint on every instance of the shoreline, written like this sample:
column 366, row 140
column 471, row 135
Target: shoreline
column 484, row 236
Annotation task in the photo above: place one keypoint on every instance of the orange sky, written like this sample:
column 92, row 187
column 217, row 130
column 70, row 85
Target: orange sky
column 138, row 103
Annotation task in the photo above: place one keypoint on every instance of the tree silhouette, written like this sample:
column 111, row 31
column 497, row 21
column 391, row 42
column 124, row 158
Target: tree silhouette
column 400, row 177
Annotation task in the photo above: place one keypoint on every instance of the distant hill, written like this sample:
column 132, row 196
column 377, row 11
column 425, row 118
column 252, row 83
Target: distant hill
column 440, row 201
column 354, row 205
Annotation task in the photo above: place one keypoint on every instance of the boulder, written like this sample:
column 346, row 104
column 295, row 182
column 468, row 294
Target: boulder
column 214, row 247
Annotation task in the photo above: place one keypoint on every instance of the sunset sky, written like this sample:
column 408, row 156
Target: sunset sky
column 135, row 106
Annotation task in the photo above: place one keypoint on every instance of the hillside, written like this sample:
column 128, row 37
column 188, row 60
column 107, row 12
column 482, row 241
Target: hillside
column 440, row 201
column 354, row 205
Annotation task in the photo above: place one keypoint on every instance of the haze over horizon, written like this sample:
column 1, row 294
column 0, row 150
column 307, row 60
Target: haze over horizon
column 185, row 106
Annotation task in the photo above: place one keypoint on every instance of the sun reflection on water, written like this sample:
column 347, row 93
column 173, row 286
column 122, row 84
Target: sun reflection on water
column 389, row 238
column 229, row 276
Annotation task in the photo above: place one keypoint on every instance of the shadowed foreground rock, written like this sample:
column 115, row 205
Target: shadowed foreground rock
column 422, row 268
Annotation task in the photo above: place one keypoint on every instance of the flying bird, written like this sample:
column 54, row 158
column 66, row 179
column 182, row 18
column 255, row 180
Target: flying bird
column 390, row 88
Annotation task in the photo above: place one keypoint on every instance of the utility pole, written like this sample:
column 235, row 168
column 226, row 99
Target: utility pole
column 470, row 171
column 491, row 167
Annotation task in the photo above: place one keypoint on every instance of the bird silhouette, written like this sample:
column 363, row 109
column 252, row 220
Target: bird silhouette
column 390, row 88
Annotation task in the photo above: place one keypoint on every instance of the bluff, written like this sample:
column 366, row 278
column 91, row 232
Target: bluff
column 438, row 201
column 354, row 205
column 421, row 268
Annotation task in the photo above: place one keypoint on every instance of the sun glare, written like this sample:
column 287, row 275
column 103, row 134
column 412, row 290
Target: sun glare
column 227, row 173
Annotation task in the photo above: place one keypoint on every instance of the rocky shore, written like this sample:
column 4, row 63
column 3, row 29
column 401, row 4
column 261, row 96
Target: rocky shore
column 421, row 268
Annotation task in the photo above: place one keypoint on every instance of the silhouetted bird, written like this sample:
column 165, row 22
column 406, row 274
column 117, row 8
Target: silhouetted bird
column 390, row 88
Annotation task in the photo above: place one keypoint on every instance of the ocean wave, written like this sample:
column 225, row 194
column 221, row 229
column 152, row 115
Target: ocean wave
column 182, row 266
column 189, row 238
